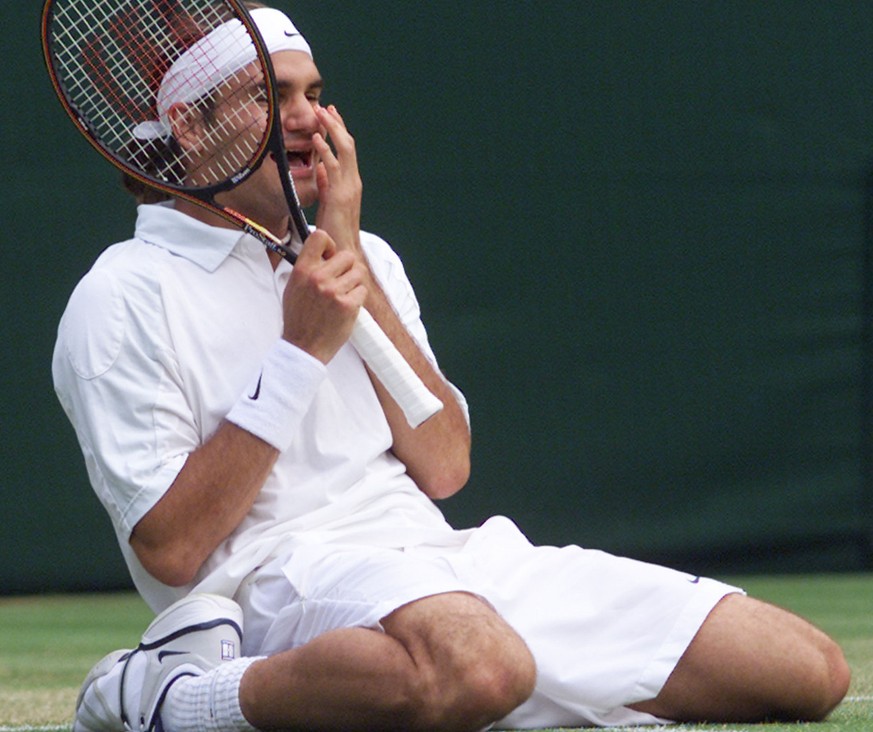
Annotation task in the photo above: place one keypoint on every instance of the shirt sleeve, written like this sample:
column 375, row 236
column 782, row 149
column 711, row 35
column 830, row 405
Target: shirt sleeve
column 116, row 379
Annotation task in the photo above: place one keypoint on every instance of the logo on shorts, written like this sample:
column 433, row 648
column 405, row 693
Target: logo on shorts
column 254, row 397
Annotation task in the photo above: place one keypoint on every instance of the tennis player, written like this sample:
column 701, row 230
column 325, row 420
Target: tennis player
column 277, row 512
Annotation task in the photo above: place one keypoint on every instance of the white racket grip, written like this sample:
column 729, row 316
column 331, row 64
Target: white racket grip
column 396, row 375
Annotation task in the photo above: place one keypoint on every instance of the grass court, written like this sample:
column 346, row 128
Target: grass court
column 48, row 643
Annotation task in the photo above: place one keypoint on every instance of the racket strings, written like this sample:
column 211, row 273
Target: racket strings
column 116, row 56
column 111, row 58
column 238, row 133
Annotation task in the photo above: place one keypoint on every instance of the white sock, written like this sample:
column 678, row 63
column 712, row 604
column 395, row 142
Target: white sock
column 209, row 702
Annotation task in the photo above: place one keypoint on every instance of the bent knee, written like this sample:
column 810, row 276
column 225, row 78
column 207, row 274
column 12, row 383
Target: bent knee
column 831, row 683
column 819, row 686
column 474, row 694
column 472, row 668
column 498, row 685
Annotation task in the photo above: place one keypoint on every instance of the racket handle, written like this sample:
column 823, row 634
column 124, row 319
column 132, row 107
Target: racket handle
column 396, row 375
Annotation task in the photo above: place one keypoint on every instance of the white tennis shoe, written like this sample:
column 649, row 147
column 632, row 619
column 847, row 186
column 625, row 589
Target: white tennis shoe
column 125, row 690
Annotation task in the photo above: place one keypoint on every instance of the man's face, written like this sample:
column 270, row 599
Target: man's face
column 299, row 87
column 237, row 122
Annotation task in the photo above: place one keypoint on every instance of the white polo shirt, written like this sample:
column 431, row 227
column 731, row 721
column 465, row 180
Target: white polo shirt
column 161, row 338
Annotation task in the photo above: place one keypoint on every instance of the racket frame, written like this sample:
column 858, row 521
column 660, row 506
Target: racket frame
column 271, row 142
column 393, row 371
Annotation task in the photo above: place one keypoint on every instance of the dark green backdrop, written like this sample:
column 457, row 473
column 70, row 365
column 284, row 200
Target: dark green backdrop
column 639, row 234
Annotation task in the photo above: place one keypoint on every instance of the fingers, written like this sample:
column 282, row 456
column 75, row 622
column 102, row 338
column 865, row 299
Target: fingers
column 323, row 296
column 334, row 272
column 335, row 129
column 339, row 157
column 317, row 247
column 338, row 179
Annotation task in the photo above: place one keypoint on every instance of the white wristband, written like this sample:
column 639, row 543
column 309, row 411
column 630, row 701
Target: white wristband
column 279, row 395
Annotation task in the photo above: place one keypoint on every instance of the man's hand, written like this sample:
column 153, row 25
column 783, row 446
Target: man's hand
column 323, row 297
column 339, row 182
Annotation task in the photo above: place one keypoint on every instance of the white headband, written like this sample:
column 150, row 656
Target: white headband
column 214, row 58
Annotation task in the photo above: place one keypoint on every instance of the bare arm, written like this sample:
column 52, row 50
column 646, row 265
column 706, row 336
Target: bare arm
column 437, row 453
column 209, row 498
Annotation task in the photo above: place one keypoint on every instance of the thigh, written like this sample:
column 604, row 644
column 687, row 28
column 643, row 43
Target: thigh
column 443, row 662
column 752, row 661
column 606, row 632
column 320, row 588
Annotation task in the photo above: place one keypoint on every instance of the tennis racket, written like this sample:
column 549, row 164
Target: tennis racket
column 115, row 63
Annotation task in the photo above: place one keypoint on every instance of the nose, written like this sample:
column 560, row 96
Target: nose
column 298, row 115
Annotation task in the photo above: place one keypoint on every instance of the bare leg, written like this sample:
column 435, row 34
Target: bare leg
column 752, row 661
column 446, row 661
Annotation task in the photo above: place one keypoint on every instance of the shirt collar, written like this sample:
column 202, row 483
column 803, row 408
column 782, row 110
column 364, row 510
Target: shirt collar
column 207, row 246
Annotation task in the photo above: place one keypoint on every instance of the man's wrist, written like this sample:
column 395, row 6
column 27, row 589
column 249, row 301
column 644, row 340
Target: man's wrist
column 279, row 395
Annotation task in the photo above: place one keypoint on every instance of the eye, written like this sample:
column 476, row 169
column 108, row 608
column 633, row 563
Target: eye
column 313, row 94
column 259, row 94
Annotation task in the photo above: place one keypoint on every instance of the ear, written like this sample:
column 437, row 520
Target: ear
column 187, row 124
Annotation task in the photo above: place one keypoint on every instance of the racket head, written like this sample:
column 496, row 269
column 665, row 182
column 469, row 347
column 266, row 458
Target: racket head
column 108, row 61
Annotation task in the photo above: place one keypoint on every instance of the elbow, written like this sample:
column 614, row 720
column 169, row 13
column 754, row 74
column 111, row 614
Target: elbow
column 171, row 565
column 173, row 571
column 447, row 478
column 449, row 467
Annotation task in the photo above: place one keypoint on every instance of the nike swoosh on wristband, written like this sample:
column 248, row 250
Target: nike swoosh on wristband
column 254, row 397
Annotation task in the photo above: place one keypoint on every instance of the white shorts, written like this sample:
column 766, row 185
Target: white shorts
column 605, row 631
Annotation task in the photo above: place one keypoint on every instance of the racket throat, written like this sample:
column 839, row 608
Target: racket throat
column 282, row 247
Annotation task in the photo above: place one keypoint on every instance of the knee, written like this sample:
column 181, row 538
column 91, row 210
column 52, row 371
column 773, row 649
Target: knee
column 468, row 667
column 476, row 693
column 472, row 690
column 830, row 682
column 499, row 682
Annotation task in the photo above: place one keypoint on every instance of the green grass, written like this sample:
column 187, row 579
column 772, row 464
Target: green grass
column 48, row 644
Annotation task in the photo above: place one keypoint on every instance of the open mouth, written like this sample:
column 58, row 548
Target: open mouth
column 299, row 159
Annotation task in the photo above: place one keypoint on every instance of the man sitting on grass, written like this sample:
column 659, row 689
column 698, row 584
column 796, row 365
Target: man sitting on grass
column 276, row 509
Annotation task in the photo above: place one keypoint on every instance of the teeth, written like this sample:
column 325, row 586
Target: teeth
column 298, row 158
